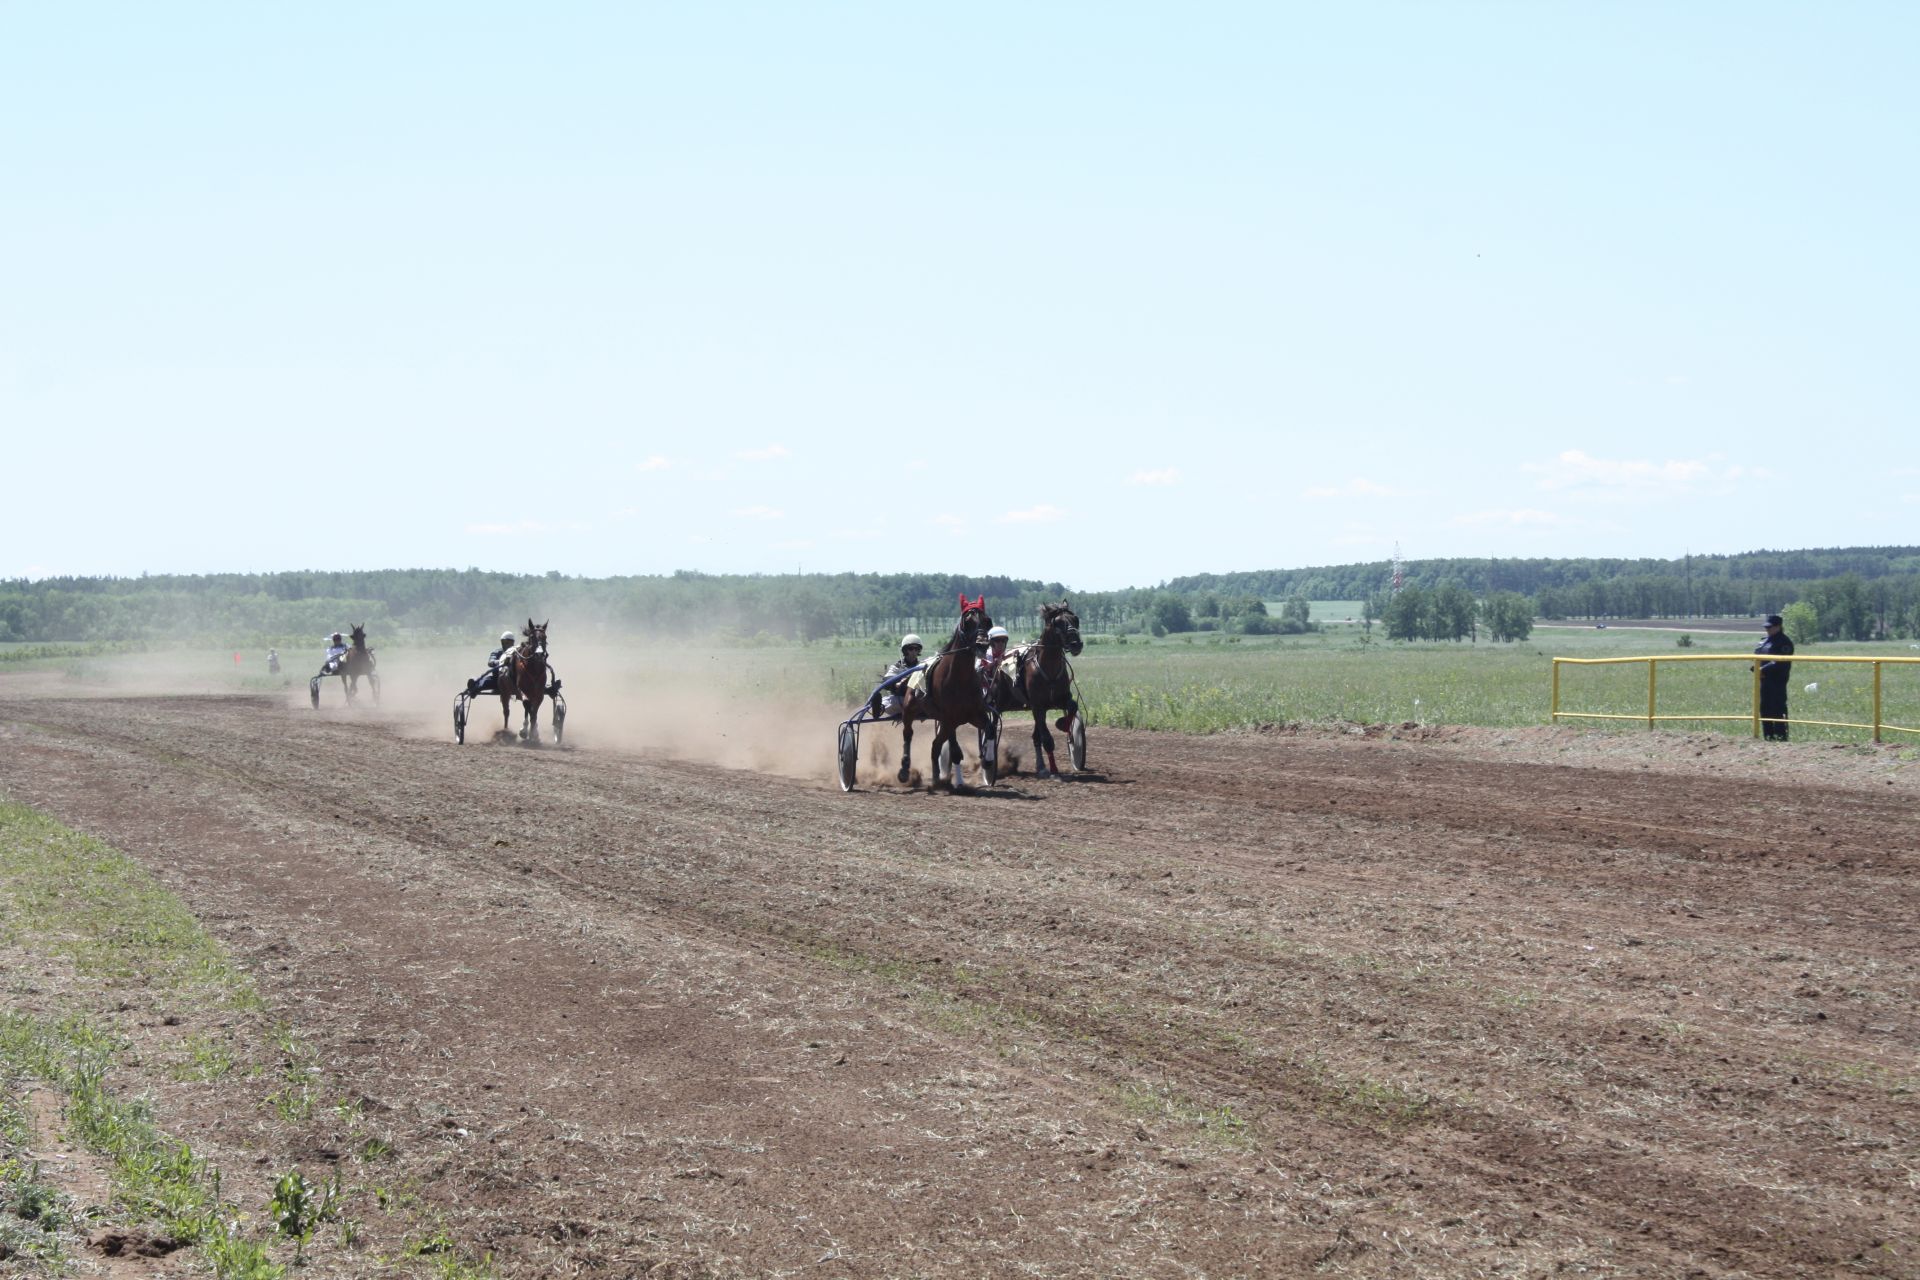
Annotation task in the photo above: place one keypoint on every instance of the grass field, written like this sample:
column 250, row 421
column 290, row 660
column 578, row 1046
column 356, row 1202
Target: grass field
column 1202, row 682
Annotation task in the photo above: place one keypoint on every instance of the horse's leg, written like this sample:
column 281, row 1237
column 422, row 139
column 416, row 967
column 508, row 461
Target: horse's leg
column 906, row 745
column 1042, row 743
column 533, row 720
column 946, row 750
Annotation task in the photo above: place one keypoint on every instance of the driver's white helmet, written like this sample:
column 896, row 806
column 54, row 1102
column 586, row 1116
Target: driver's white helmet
column 910, row 641
column 506, row 637
column 997, row 633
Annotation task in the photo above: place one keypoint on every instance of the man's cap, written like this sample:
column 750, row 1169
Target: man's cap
column 1773, row 620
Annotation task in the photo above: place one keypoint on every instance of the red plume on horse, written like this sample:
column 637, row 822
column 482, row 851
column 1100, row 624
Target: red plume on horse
column 952, row 696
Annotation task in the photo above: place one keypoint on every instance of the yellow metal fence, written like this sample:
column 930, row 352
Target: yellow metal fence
column 1879, row 724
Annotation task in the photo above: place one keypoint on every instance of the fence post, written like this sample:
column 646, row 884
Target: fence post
column 1756, row 699
column 1876, row 701
column 1555, row 705
column 1653, row 665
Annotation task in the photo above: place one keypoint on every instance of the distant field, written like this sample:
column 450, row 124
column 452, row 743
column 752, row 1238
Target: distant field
column 1195, row 683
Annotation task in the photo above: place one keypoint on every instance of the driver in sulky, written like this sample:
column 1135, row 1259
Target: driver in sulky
column 886, row 701
column 336, row 649
column 989, row 661
column 489, row 680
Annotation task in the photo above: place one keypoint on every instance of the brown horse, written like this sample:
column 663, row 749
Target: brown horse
column 1046, row 681
column 356, row 662
column 951, row 697
column 523, row 675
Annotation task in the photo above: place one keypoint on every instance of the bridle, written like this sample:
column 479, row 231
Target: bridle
column 971, row 623
column 1060, row 637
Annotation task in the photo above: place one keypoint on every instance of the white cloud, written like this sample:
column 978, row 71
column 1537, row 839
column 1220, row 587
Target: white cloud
column 1165, row 475
column 1045, row 513
column 767, row 454
column 759, row 513
column 527, row 527
column 1517, row 517
column 1636, row 479
column 652, row 462
column 1358, row 487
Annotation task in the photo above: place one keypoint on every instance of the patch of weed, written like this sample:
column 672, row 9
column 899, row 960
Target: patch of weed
column 1221, row 1125
column 98, row 909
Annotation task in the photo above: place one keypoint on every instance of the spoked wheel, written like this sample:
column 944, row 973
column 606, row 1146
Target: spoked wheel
column 373, row 683
column 849, row 756
column 460, row 719
column 1077, row 743
column 990, row 751
column 313, row 691
column 559, row 718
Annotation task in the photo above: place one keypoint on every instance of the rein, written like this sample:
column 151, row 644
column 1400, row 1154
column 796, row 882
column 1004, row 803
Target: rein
column 1052, row 641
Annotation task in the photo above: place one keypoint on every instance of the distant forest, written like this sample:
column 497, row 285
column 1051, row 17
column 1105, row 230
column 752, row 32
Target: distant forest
column 1857, row 593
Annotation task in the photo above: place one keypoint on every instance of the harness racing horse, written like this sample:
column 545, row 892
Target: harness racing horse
column 357, row 661
column 1046, row 681
column 523, row 675
column 951, row 696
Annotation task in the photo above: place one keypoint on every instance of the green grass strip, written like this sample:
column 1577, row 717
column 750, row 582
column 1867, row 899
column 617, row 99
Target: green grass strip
column 68, row 895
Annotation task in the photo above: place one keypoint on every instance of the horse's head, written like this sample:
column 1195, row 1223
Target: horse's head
column 1060, row 623
column 536, row 638
column 359, row 634
column 973, row 622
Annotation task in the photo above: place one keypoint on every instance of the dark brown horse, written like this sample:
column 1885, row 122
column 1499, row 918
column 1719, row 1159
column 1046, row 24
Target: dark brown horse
column 1045, row 681
column 356, row 662
column 951, row 697
column 523, row 675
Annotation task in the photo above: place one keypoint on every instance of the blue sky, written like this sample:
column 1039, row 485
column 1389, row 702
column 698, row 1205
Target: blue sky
column 1100, row 294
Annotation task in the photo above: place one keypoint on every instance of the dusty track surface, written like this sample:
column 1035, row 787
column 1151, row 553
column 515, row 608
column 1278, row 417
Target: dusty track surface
column 1247, row 1005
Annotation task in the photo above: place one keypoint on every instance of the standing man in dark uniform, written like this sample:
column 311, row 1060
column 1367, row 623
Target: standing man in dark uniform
column 1773, row 680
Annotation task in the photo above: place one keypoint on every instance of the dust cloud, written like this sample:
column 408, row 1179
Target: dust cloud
column 739, row 709
column 769, row 710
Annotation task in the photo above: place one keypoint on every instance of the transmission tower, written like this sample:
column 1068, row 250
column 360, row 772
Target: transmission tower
column 1399, row 570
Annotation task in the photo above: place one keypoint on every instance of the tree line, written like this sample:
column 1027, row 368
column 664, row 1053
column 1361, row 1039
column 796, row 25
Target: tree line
column 1760, row 572
column 235, row 609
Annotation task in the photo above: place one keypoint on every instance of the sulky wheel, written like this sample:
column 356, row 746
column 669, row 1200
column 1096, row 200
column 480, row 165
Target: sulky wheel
column 559, row 718
column 460, row 719
column 849, row 760
column 1077, row 743
column 313, row 691
column 990, row 751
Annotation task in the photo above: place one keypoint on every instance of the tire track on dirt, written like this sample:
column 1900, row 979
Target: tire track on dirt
column 1123, row 932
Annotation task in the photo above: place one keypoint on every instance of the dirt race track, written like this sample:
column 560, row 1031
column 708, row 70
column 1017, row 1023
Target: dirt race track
column 1426, row 1003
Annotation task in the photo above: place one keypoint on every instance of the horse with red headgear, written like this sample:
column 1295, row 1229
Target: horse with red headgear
column 951, row 696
